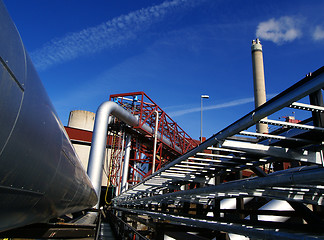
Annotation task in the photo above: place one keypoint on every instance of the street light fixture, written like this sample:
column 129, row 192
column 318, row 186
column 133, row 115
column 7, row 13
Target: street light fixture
column 201, row 111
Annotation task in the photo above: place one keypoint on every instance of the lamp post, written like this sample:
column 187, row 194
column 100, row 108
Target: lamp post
column 201, row 113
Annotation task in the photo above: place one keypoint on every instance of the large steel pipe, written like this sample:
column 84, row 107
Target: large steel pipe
column 41, row 176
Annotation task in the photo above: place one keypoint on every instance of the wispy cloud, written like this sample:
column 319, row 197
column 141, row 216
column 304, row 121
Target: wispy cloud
column 281, row 30
column 318, row 33
column 110, row 34
column 229, row 104
column 217, row 106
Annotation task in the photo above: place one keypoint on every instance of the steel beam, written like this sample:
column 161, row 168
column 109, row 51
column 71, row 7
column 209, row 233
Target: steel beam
column 270, row 136
column 307, row 107
column 275, row 151
column 293, row 125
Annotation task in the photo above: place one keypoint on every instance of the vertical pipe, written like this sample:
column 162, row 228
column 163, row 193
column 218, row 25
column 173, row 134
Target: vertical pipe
column 121, row 157
column 258, row 80
column 126, row 163
column 201, row 107
column 155, row 139
column 97, row 151
column 99, row 141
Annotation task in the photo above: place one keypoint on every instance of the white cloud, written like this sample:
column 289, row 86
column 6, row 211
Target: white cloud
column 107, row 35
column 279, row 31
column 318, row 33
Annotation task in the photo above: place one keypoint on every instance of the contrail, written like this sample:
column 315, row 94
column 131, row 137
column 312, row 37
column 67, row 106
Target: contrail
column 232, row 103
column 110, row 34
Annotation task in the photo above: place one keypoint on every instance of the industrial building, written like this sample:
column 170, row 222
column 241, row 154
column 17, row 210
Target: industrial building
column 129, row 171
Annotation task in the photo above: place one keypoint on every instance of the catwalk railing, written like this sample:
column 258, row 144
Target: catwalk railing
column 241, row 182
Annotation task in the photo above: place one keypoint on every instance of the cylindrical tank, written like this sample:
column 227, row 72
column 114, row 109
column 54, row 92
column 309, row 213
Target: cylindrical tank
column 41, row 177
column 258, row 80
column 82, row 120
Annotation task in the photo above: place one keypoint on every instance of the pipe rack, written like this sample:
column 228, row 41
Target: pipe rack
column 220, row 168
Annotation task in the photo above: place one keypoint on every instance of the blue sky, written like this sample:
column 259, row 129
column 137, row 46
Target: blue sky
column 173, row 50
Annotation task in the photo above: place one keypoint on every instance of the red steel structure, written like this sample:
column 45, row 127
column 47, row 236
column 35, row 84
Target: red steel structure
column 172, row 140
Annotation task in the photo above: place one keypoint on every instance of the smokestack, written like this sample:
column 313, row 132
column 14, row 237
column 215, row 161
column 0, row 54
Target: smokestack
column 258, row 80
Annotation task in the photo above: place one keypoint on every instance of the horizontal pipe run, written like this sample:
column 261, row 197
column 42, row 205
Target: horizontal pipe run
column 302, row 175
column 258, row 233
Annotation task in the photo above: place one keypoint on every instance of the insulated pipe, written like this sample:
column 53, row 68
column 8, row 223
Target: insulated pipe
column 126, row 163
column 41, row 175
column 99, row 139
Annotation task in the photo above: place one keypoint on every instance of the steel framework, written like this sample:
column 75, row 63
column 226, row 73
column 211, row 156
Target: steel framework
column 155, row 141
column 145, row 108
column 238, row 183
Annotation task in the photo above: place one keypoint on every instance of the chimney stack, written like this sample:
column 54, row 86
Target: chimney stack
column 258, row 80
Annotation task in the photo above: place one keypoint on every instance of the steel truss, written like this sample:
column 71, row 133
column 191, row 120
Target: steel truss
column 172, row 140
column 262, row 186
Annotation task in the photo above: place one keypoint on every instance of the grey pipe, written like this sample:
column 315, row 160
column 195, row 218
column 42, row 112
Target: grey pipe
column 123, row 186
column 99, row 139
